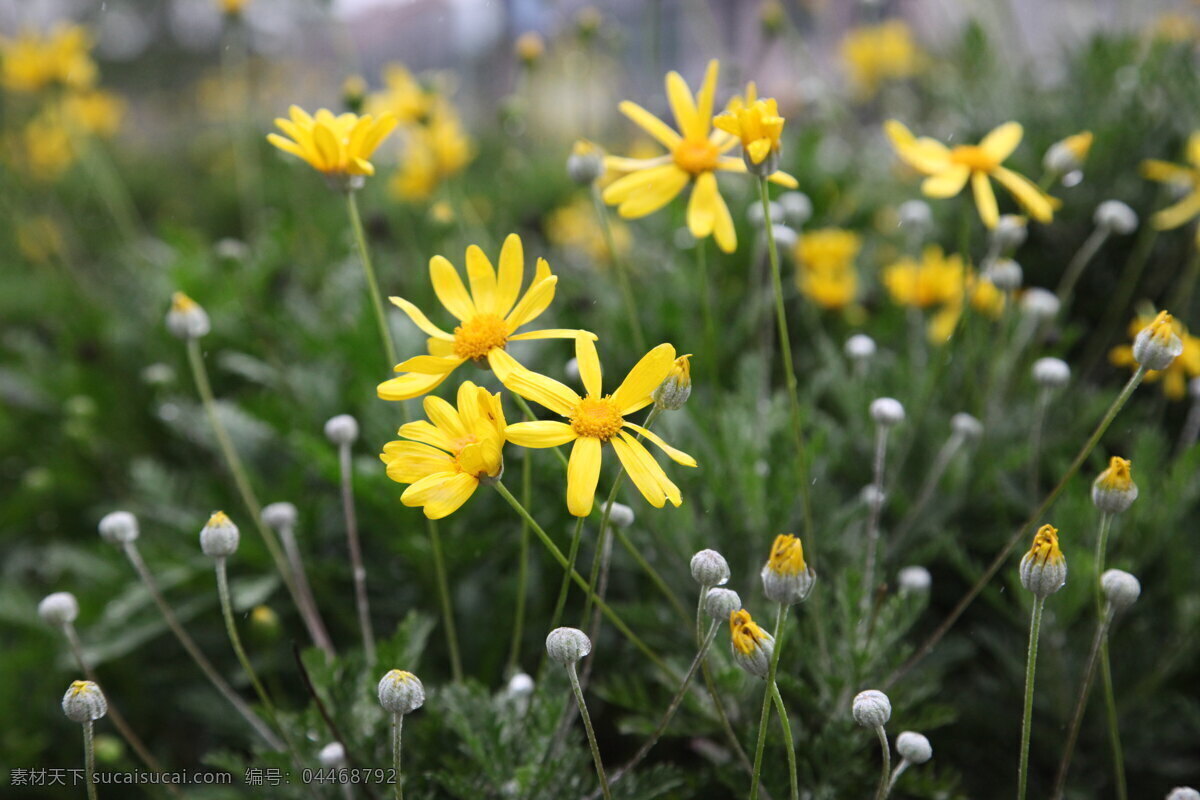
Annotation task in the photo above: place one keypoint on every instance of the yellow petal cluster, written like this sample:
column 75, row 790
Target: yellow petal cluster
column 62, row 57
column 933, row 280
column 1118, row 477
column 746, row 634
column 335, row 145
column 787, row 556
column 825, row 272
column 1045, row 549
column 1175, row 377
column 433, row 151
column 876, row 54
column 1185, row 177
column 756, row 124
column 445, row 457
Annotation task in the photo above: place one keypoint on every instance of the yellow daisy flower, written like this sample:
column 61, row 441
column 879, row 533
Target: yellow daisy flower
column 489, row 315
column 34, row 61
column 825, row 267
column 984, row 298
column 697, row 153
column 402, row 95
column 595, row 419
column 449, row 455
column 935, row 279
column 433, row 152
column 337, row 146
column 874, row 54
column 755, row 123
column 1175, row 377
column 1187, row 177
column 949, row 169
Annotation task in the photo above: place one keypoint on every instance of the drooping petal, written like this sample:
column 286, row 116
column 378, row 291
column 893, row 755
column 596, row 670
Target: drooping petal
column 409, row 462
column 420, row 320
column 440, row 494
column 428, row 365
column 948, row 182
column 645, row 377
column 511, row 274
column 924, row 154
column 724, row 232
column 583, row 473
column 408, row 386
column 651, row 124
column 1178, row 214
column 678, row 456
column 540, row 433
column 702, row 206
column 448, row 287
column 502, row 363
column 482, row 276
column 557, row 397
column 985, row 199
column 637, row 183
column 1031, row 198
column 286, row 145
column 589, row 365
column 669, row 182
column 646, row 473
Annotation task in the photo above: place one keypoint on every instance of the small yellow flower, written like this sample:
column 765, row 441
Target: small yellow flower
column 596, row 419
column 756, row 123
column 337, row 146
column 33, row 62
column 402, row 96
column 488, row 316
column 696, row 154
column 43, row 148
column 529, row 47
column 1175, row 376
column 1186, row 177
column 834, row 290
column 94, row 111
column 787, row 556
column 825, row 266
column 433, row 152
column 1118, row 477
column 949, row 169
column 983, row 296
column 450, row 454
column 746, row 634
column 934, row 280
column 876, row 54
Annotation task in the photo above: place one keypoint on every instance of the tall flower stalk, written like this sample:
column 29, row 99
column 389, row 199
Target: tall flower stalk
column 342, row 431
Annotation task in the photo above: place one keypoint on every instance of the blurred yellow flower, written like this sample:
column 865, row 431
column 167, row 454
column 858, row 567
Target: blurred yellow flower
column 39, row 238
column 825, row 270
column 949, row 169
column 876, row 54
column 34, row 61
column 595, row 419
column 832, row 290
column 756, row 124
column 95, row 111
column 354, row 93
column 42, row 149
column 934, row 280
column 232, row 6
column 1175, row 377
column 402, row 96
column 451, row 453
column 574, row 227
column 1186, row 178
column 337, row 146
column 984, row 298
column 489, row 316
column 529, row 47
column 696, row 154
column 433, row 152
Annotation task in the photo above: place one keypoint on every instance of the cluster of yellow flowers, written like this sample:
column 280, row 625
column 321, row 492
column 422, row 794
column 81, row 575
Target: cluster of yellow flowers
column 941, row 281
column 825, row 271
column 876, row 54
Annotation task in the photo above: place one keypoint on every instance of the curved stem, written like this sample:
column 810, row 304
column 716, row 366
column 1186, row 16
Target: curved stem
column 876, row 507
column 618, row 263
column 789, row 746
column 882, row 791
column 1114, row 732
column 591, row 734
column 291, row 549
column 940, row 464
column 89, row 759
column 397, row 729
column 514, row 650
column 1087, row 251
column 572, row 556
column 1035, row 626
column 361, row 603
column 443, row 587
column 765, row 716
column 364, row 256
column 236, row 641
column 896, row 773
column 1000, row 558
column 1085, row 685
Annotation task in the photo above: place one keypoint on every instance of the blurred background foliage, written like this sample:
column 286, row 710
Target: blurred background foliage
column 168, row 184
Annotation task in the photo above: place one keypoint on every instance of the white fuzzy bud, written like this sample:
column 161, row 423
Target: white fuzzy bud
column 1156, row 345
column 332, row 755
column 401, row 692
column 914, row 579
column 58, row 609
column 585, row 165
column 279, row 515
column 720, row 603
column 1009, row 233
column 966, row 426
column 187, row 319
column 519, row 685
column 797, row 208
column 860, row 347
column 887, row 411
column 914, row 747
column 872, row 708
column 1051, row 373
column 119, row 527
column 84, row 702
column 1005, row 274
column 1120, row 588
column 567, row 645
column 915, row 215
column 710, row 568
column 872, row 496
column 342, row 429
column 1039, row 304
column 755, row 214
column 1116, row 217
column 1183, row 793
column 620, row 515
column 219, row 536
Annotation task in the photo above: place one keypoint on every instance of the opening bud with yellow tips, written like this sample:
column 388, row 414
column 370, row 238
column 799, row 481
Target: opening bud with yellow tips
column 752, row 646
column 787, row 579
column 676, row 388
column 585, row 165
column 84, row 702
column 187, row 319
column 401, row 692
column 219, row 537
column 1157, row 344
column 1043, row 568
column 1114, row 490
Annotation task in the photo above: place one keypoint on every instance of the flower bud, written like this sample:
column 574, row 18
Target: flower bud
column 1051, row 373
column 752, row 646
column 332, row 755
column 567, row 645
column 676, row 388
column 279, row 515
column 710, row 568
column 1116, row 217
column 187, row 319
column 755, row 214
column 785, row 237
column 1005, row 274
column 401, row 692
column 914, row 579
column 1039, row 304
column 519, row 685
column 354, row 92
column 1062, row 156
column 797, row 208
column 914, row 747
column 721, row 603
column 786, row 578
column 1043, row 569
column 887, row 411
column 119, row 527
column 342, row 429
column 1114, row 490
column 58, row 609
column 585, row 165
column 620, row 515
column 1120, row 588
column 1009, row 233
column 872, row 709
column 1183, row 793
column 530, row 47
column 219, row 536
column 915, row 215
column 964, row 425
column 859, row 347
column 84, row 702
column 1157, row 345
column 872, row 496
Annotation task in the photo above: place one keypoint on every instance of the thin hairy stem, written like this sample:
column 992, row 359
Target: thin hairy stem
column 89, row 759
column 620, row 268
column 1035, row 627
column 1085, row 687
column 514, row 650
column 1114, row 731
column 397, row 729
column 1087, row 251
column 359, row 571
column 896, row 773
column 886, row 769
column 591, row 734
column 572, row 556
column 443, row 588
column 364, row 256
column 875, row 507
column 788, row 746
column 291, row 549
column 765, row 716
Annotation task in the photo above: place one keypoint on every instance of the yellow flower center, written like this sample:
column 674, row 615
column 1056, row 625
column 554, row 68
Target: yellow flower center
column 745, row 632
column 597, row 418
column 787, row 556
column 1162, row 328
column 973, row 156
column 482, row 332
column 1117, row 477
column 696, row 156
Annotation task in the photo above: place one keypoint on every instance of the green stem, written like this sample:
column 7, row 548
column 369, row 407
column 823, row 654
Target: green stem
column 572, row 556
column 360, row 237
column 635, row 325
column 1085, row 685
column 514, row 650
column 1035, row 627
column 359, row 571
column 881, row 792
column 236, row 641
column 397, row 729
column 785, row 351
column 443, row 586
column 601, row 543
column 789, row 746
column 607, row 611
column 1114, row 733
column 994, row 567
column 765, row 716
column 89, row 759
column 591, row 734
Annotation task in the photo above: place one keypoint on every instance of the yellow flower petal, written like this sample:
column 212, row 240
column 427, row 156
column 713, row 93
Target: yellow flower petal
column 502, row 363
column 1165, row 172
column 420, row 320
column 1031, row 198
column 589, row 366
column 448, row 287
column 552, row 333
column 409, row 462
column 683, row 106
column 946, row 183
column 702, row 206
column 557, row 397
column 637, row 183
column 706, row 96
column 1002, row 141
column 678, row 456
column 645, row 472
column 583, row 473
column 925, row 154
column 439, row 495
column 535, row 301
column 985, row 199
column 540, row 433
column 1178, row 214
column 512, row 274
column 482, row 276
column 445, row 416
column 425, row 432
column 409, row 386
column 428, row 365
column 651, row 124
column 645, row 377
